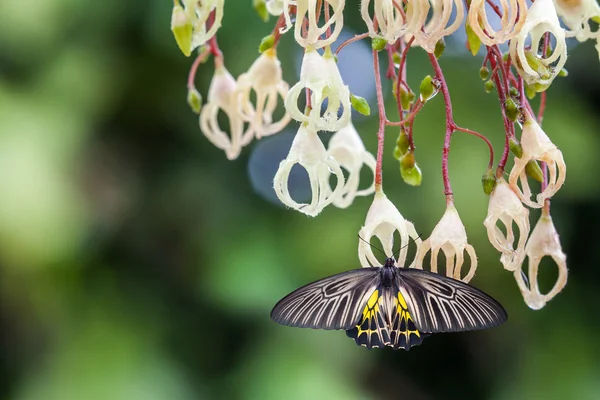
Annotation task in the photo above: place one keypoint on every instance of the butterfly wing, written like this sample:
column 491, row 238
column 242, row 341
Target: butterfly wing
column 335, row 302
column 441, row 304
column 386, row 322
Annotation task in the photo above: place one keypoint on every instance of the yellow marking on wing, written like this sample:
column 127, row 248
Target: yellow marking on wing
column 373, row 299
column 404, row 315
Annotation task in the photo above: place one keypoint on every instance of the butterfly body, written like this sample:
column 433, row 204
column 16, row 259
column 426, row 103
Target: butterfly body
column 389, row 306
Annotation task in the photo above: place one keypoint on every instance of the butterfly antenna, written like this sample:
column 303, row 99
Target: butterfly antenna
column 406, row 245
column 375, row 247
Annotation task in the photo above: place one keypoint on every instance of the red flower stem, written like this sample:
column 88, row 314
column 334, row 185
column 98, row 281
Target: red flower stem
column 382, row 121
column 482, row 137
column 277, row 29
column 194, row 68
column 418, row 106
column 356, row 38
column 212, row 43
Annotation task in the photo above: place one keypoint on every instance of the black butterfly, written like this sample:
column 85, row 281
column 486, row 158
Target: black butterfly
column 389, row 306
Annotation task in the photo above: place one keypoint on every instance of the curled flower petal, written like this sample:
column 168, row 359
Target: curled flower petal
column 541, row 18
column 264, row 78
column 222, row 96
column 506, row 207
column 349, row 151
column 513, row 17
column 308, row 151
column 438, row 14
column 576, row 14
column 307, row 9
column 544, row 241
column 322, row 77
column 196, row 14
column 450, row 236
column 392, row 23
column 537, row 146
column 383, row 220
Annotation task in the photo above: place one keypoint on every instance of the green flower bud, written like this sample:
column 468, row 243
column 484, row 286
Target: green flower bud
column 360, row 104
column 515, row 147
column 440, row 46
column 266, row 43
column 182, row 30
column 563, row 73
column 484, row 73
column 513, row 92
column 488, row 181
column 406, row 98
column 511, row 108
column 378, row 44
column 410, row 171
column 426, row 88
column 194, row 99
column 396, row 58
column 473, row 40
column 489, row 86
column 533, row 170
column 530, row 92
column 261, row 9
column 402, row 145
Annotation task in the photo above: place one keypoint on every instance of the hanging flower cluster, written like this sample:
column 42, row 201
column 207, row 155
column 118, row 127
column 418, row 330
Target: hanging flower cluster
column 239, row 110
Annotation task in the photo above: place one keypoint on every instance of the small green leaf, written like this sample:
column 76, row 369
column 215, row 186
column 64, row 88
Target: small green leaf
column 261, row 9
column 488, row 181
column 473, row 40
column 182, row 30
column 440, row 46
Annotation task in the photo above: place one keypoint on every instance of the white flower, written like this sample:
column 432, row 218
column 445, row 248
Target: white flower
column 438, row 25
column 307, row 9
column 514, row 13
column 537, row 146
column 392, row 23
column 450, row 236
column 222, row 96
column 506, row 208
column 274, row 7
column 196, row 14
column 383, row 220
column 321, row 76
column 349, row 151
column 576, row 15
column 537, row 69
column 308, row 151
column 544, row 241
column 264, row 78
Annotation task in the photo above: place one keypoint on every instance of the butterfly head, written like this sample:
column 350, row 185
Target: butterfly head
column 390, row 262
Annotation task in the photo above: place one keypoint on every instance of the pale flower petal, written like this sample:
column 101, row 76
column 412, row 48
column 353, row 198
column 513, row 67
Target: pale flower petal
column 506, row 208
column 435, row 21
column 392, row 23
column 543, row 242
column 264, row 78
column 537, row 146
column 313, row 37
column 541, row 18
column 514, row 13
column 308, row 151
column 222, row 96
column 576, row 14
column 383, row 220
column 349, row 151
column 449, row 236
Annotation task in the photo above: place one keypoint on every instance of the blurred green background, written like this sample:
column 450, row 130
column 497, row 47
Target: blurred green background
column 136, row 262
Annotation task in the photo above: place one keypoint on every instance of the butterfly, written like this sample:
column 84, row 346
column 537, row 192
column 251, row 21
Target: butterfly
column 389, row 306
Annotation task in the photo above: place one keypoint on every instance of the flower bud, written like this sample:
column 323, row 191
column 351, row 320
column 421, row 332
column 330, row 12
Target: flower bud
column 411, row 175
column 512, row 111
column 515, row 147
column 194, row 99
column 402, row 144
column 261, row 9
column 360, row 104
column 488, row 181
column 378, row 44
column 427, row 88
column 266, row 43
column 440, row 46
column 489, row 86
column 484, row 73
column 533, row 170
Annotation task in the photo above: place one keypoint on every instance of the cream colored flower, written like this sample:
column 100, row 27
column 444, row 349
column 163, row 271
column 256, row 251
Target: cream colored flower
column 576, row 15
column 543, row 242
column 514, row 13
column 349, row 151
column 383, row 220
column 196, row 14
column 307, row 9
column 222, row 96
column 274, row 7
column 537, row 69
column 450, row 236
column 537, row 146
column 264, row 78
column 439, row 24
column 321, row 76
column 506, row 207
column 392, row 23
column 308, row 151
